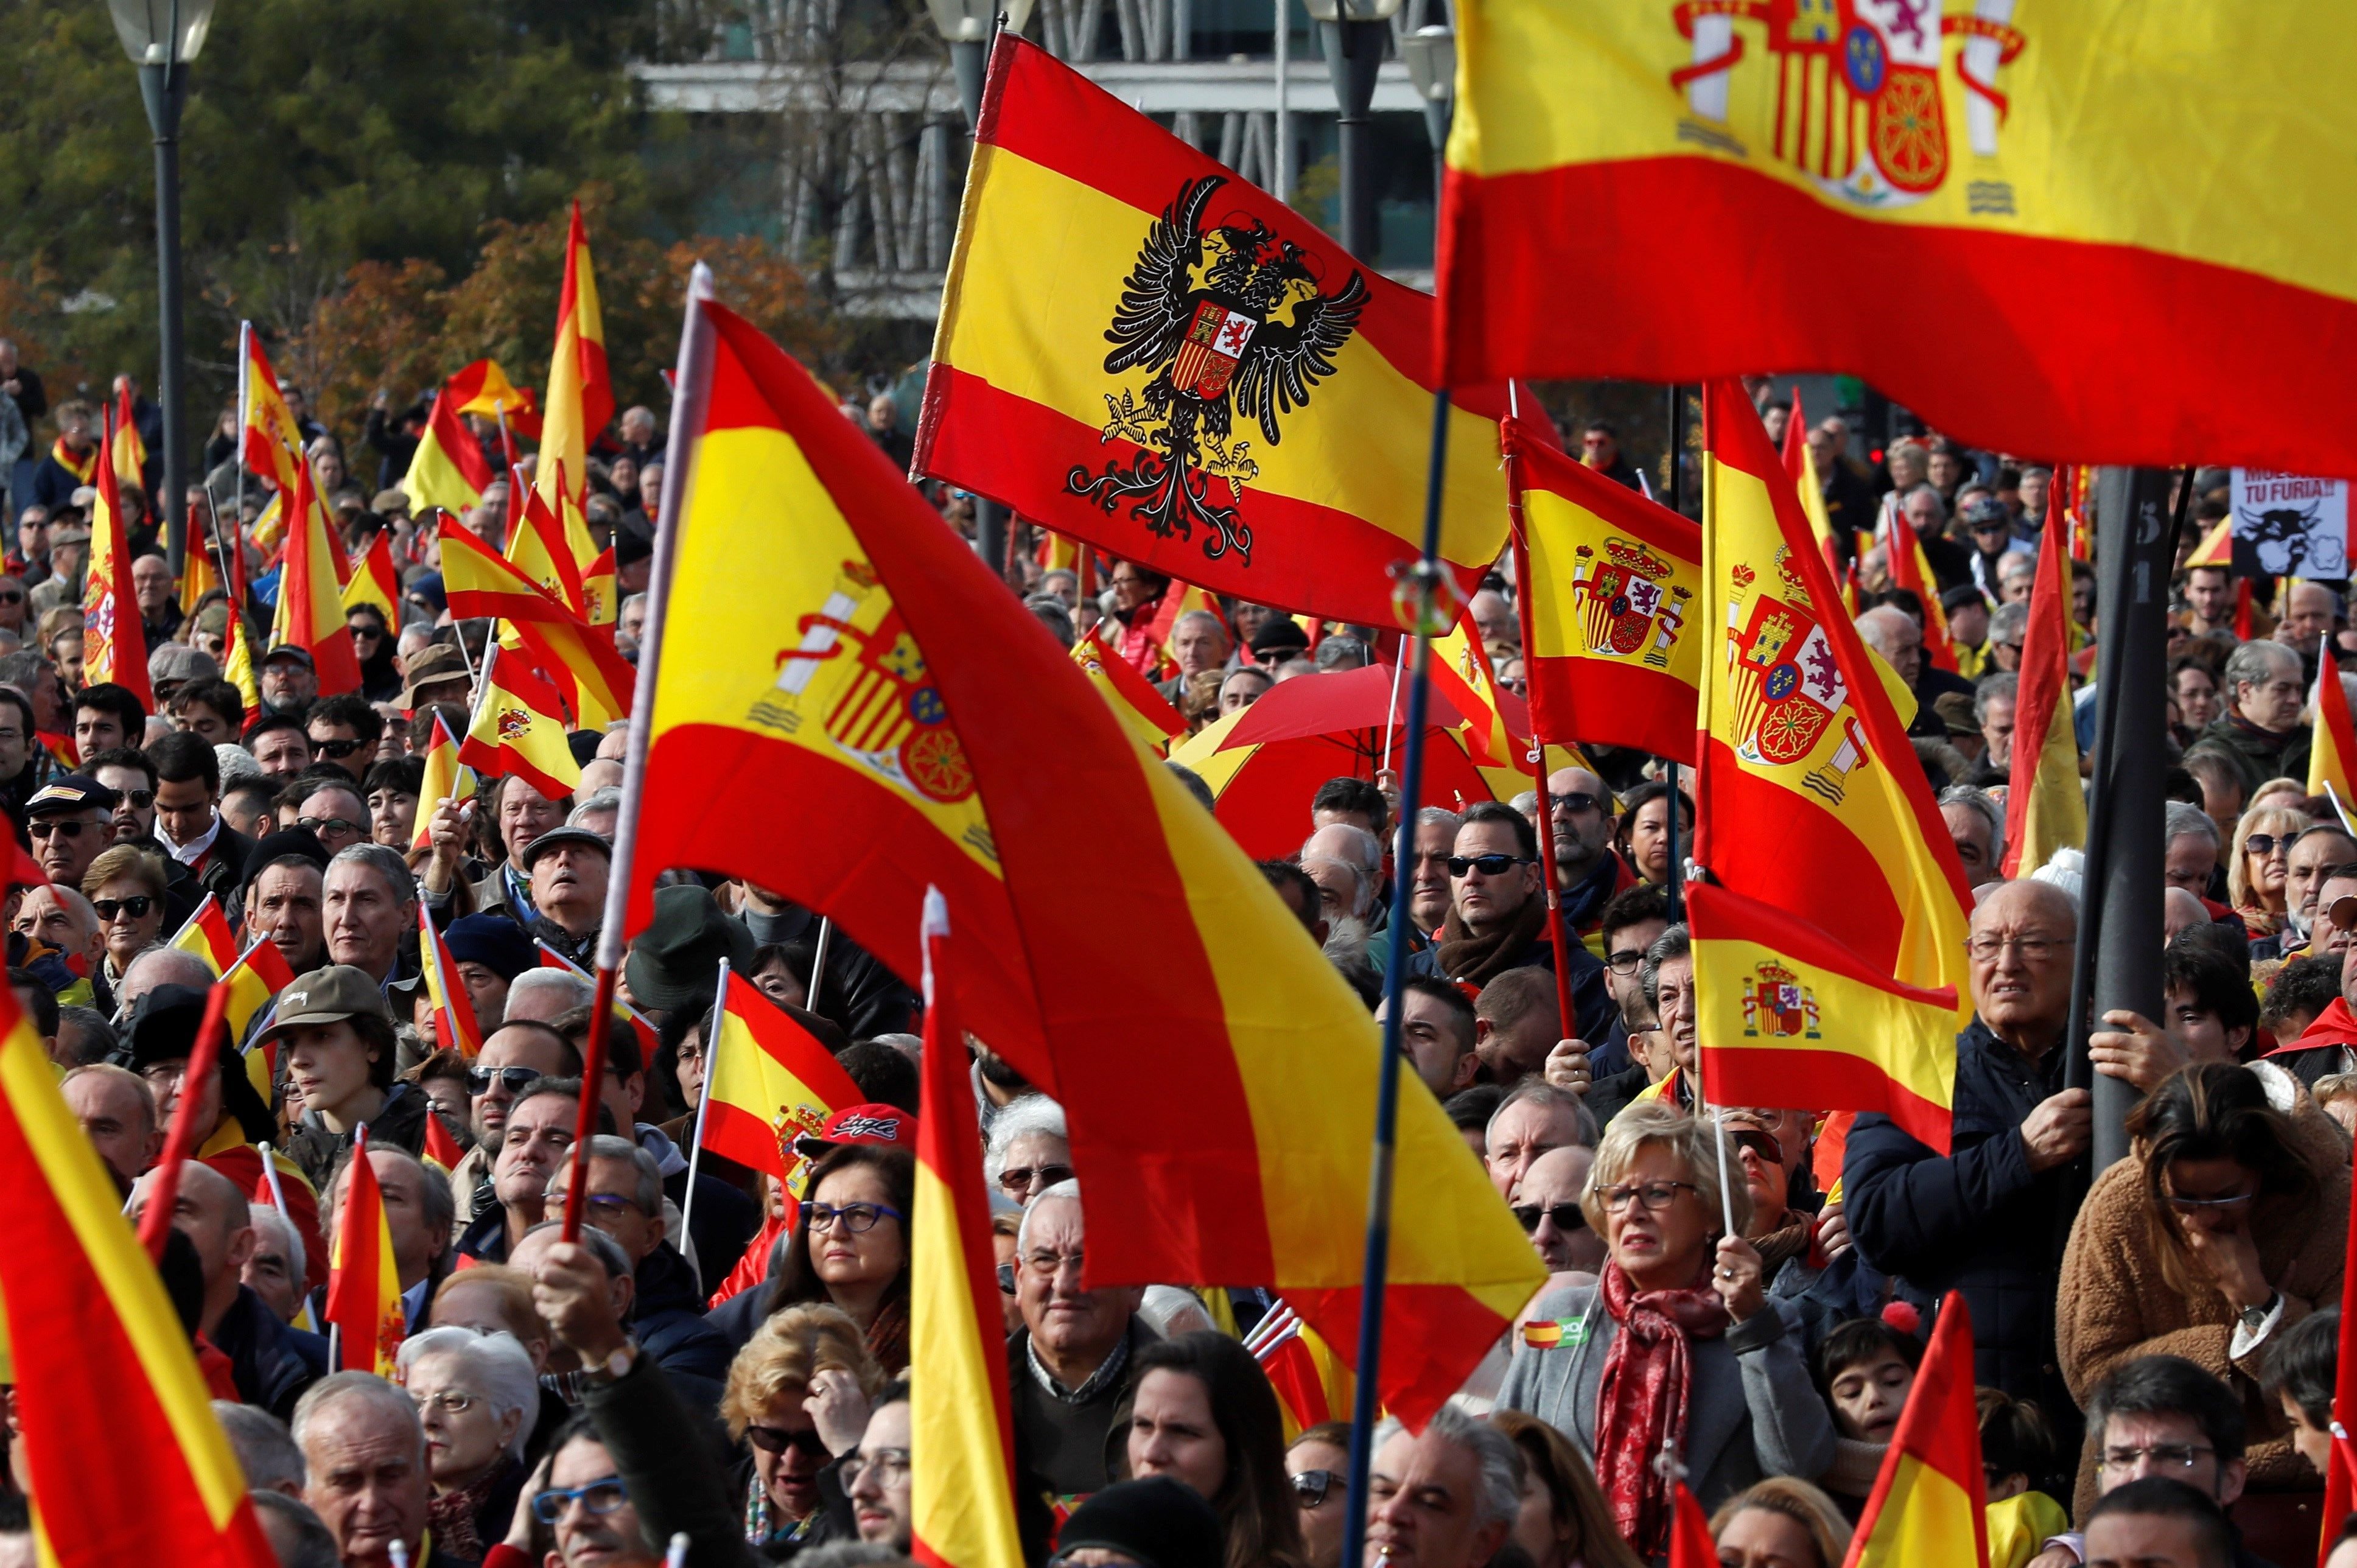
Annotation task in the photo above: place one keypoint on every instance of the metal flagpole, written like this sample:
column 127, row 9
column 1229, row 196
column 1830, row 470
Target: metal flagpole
column 1422, row 589
column 1282, row 151
column 1567, row 1015
column 818, row 962
column 1391, row 714
column 686, row 426
column 703, row 1108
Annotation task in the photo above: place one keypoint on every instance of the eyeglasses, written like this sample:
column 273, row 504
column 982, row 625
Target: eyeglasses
column 891, row 1465
column 1625, row 962
column 2033, row 950
column 43, row 827
column 1566, row 1216
column 515, row 1079
column 1311, row 1487
column 597, row 1499
column 1487, row 865
column 777, row 1440
column 1581, row 801
column 1655, row 1195
column 337, row 748
column 2164, row 1455
column 2195, row 1205
column 608, row 1203
column 140, row 799
column 136, row 906
column 325, row 826
column 2267, row 843
column 1762, row 1143
column 449, row 1402
column 1020, row 1178
column 856, row 1218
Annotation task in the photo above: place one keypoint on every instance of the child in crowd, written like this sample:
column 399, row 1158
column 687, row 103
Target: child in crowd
column 1865, row 1369
column 2018, row 1455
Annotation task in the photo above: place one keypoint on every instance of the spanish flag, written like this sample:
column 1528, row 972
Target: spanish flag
column 1912, row 570
column 2217, row 546
column 483, row 388
column 448, row 469
column 374, row 581
column 2045, row 804
column 2114, row 277
column 100, row 1362
column 130, row 452
column 1929, row 1506
column 114, row 643
column 519, row 730
column 455, row 1027
column 601, row 599
column 769, row 1082
column 237, row 668
column 273, row 442
column 480, row 583
column 1494, row 732
column 1144, row 712
column 1690, row 1542
column 1613, row 585
column 962, row 1428
column 310, row 614
column 824, row 639
column 255, row 976
column 580, row 393
column 364, row 1313
column 2332, row 755
column 1800, row 463
column 537, row 546
column 2341, row 1469
column 1140, row 351
column 198, row 577
column 1829, row 960
column 446, row 779
column 1312, row 1386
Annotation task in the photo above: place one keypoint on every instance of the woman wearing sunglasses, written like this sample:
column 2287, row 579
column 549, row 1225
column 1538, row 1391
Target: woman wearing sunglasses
column 850, row 1247
column 125, row 886
column 797, row 1398
column 2226, row 1223
column 2256, row 871
column 1318, row 1465
column 1204, row 1413
column 1677, row 1347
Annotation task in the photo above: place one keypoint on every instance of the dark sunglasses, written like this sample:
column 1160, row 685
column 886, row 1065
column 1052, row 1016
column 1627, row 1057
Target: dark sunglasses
column 1487, row 865
column 140, row 799
column 1566, row 1216
column 1015, row 1178
column 136, row 906
column 2264, row 844
column 337, row 748
column 326, row 825
column 1311, row 1487
column 1577, row 802
column 777, row 1440
column 1763, row 1144
column 517, row 1079
column 44, row 826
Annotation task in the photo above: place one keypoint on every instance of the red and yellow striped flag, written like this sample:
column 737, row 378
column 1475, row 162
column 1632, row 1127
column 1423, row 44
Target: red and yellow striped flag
column 537, row 546
column 2332, row 754
column 1211, row 388
column 100, row 1362
column 273, row 442
column 601, row 597
column 449, row 468
column 310, row 614
column 198, row 575
column 363, row 1283
column 2217, row 546
column 446, row 778
column 519, row 730
column 2045, row 806
column 483, row 388
column 580, row 392
column 114, row 642
column 374, row 581
column 455, row 1026
column 1144, row 712
column 961, row 1425
column 769, row 1082
column 1911, row 569
column 566, row 649
column 237, row 666
column 129, row 450
column 1829, row 960
column 255, row 977
column 1613, row 584
column 1928, row 1507
column 825, row 639
column 2115, row 278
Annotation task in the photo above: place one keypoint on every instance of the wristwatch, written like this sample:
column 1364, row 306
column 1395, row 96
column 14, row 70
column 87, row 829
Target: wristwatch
column 616, row 1367
column 2256, row 1317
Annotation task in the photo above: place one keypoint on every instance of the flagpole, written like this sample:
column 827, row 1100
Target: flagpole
column 818, row 963
column 1423, row 587
column 244, row 397
column 186, row 1136
column 703, row 1109
column 1567, row 1015
column 1391, row 715
column 686, row 426
column 1677, row 504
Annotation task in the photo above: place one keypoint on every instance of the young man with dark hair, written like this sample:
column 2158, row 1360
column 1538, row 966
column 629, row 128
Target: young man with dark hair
column 345, row 731
column 2161, row 1417
column 1352, row 800
column 104, row 716
column 212, row 711
column 247, row 805
column 280, row 745
column 2160, row 1522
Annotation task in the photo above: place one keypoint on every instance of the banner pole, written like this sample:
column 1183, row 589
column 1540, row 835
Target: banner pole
column 695, row 1128
column 1423, row 591
column 1567, row 1015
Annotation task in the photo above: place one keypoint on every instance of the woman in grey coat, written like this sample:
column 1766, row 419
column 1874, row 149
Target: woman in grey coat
column 1676, row 1353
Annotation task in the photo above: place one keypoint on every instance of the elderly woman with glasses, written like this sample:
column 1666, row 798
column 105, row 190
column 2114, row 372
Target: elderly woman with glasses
column 798, row 1397
column 850, row 1246
column 125, row 887
column 2226, row 1223
column 1677, row 1347
column 1029, row 1150
column 2261, row 864
column 478, row 1397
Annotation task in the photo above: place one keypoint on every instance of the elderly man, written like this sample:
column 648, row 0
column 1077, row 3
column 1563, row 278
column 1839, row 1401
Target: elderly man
column 2007, row 626
column 1493, row 617
column 2260, row 734
column 2315, row 852
column 1074, row 1362
column 370, row 905
column 1445, row 1499
column 1546, row 1201
column 419, row 1217
column 1978, row 830
column 1199, row 642
column 1429, row 885
column 2309, row 610
column 285, row 900
column 1994, row 702
column 2159, row 1416
column 72, row 821
column 117, row 1112
column 364, row 1462
column 290, row 681
column 2189, row 845
column 1534, row 1117
column 1980, row 1219
column 63, row 918
column 1347, row 862
column 159, row 611
column 534, row 1140
column 489, row 952
column 515, row 1055
column 1588, row 873
column 1497, row 918
column 567, row 866
column 271, row 1363
column 1899, row 638
column 1436, row 1030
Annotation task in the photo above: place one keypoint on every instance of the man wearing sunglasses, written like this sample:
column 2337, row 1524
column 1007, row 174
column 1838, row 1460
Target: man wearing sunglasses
column 71, row 822
column 345, row 732
column 132, row 777
column 1586, row 870
column 290, row 681
column 1546, row 1202
column 513, row 1059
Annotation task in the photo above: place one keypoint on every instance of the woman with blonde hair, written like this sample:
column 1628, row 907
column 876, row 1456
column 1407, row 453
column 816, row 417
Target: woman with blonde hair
column 2256, row 869
column 1677, row 1348
column 797, row 1396
column 1564, row 1522
column 1779, row 1522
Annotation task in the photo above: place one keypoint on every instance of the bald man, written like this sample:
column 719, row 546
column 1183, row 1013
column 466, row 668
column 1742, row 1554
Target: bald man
column 1980, row 1218
column 272, row 1363
column 1897, row 637
column 117, row 1112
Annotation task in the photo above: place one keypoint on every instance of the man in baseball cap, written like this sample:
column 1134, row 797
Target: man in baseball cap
column 71, row 820
column 568, row 867
column 334, row 1035
column 289, row 680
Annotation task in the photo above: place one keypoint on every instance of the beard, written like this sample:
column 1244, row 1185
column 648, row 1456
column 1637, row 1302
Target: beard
column 997, row 1073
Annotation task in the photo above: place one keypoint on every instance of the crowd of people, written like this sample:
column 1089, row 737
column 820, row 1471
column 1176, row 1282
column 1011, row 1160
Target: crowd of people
column 1739, row 1296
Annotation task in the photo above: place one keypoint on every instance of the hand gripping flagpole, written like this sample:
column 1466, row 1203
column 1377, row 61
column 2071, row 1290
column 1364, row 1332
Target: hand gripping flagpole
column 1424, row 598
column 686, row 426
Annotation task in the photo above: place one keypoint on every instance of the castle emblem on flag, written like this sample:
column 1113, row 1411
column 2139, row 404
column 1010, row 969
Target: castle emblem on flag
column 1628, row 607
column 790, row 1123
column 514, row 722
column 1857, row 103
column 1776, row 1004
column 1231, row 326
column 1788, row 689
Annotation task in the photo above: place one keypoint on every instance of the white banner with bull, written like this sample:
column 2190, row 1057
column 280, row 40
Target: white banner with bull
column 2290, row 525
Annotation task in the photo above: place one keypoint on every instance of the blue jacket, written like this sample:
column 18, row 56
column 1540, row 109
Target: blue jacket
column 667, row 1318
column 272, row 1362
column 1977, row 1221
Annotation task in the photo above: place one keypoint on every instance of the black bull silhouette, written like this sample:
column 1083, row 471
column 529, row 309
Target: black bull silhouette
column 2278, row 540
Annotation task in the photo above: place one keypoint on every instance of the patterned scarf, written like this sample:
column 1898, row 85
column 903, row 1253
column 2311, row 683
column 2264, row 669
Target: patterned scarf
column 1643, row 1398
column 450, row 1516
column 80, row 467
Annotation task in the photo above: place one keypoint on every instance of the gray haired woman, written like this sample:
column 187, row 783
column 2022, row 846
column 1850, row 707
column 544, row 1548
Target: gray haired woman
column 476, row 1397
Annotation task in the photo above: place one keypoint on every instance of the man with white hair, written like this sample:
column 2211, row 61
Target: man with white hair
column 364, row 1458
column 264, row 1448
column 1347, row 862
column 1199, row 642
column 1072, row 1364
column 1444, row 1499
column 1978, row 830
column 2260, row 734
column 537, row 995
column 1897, row 637
column 1030, row 1148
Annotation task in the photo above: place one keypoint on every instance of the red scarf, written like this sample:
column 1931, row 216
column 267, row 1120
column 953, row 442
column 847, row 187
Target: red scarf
column 1643, row 1398
column 82, row 467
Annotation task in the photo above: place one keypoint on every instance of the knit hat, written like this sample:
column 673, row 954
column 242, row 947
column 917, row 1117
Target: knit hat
column 494, row 941
column 1158, row 1521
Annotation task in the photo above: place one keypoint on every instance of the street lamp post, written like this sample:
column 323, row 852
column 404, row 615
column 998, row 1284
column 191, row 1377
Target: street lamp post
column 163, row 38
column 1431, row 55
column 1354, row 33
column 968, row 26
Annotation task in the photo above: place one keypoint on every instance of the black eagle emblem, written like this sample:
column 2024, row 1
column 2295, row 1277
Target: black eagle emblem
column 1231, row 323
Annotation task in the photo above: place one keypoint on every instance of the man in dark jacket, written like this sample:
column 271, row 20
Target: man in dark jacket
column 188, row 816
column 2260, row 734
column 272, row 1363
column 1073, row 1364
column 625, row 1200
column 1981, row 1218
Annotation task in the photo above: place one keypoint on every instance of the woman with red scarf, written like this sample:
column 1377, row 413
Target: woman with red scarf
column 1676, row 1354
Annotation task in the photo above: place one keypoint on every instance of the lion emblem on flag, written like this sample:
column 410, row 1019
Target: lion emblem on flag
column 514, row 722
column 1233, row 327
column 1627, row 604
column 1776, row 1004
